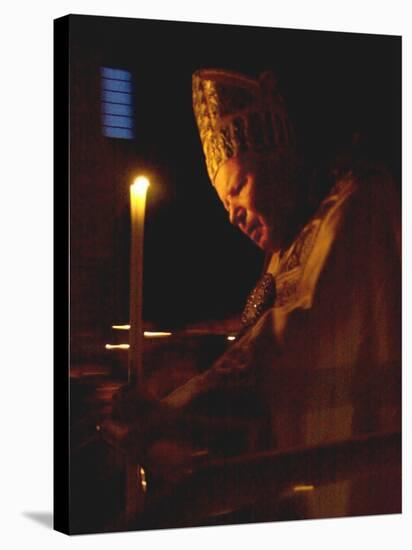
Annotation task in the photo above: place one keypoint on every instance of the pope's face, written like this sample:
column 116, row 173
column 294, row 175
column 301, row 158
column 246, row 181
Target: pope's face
column 248, row 191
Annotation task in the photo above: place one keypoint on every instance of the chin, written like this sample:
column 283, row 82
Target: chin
column 265, row 242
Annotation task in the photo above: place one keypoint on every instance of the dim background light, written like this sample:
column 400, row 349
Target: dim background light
column 303, row 488
column 147, row 333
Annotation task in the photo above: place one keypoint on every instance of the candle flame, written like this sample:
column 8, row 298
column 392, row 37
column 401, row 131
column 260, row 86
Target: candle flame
column 139, row 187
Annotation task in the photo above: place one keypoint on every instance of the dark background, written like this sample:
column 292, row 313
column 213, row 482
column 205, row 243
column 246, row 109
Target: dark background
column 197, row 267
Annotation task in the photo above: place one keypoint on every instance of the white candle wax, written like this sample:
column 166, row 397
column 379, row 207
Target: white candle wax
column 137, row 210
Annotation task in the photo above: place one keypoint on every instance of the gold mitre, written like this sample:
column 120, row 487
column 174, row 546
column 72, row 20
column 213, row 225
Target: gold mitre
column 236, row 114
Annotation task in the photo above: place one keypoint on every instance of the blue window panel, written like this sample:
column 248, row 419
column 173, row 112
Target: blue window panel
column 116, row 85
column 124, row 133
column 116, row 103
column 118, row 74
column 117, row 109
column 121, row 121
column 117, row 97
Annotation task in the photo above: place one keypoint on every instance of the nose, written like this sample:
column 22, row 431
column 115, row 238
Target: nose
column 237, row 215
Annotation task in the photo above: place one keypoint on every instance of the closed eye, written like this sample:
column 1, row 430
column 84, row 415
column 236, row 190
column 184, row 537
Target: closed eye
column 239, row 186
column 234, row 190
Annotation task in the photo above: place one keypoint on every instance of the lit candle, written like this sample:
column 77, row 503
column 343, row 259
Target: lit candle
column 137, row 209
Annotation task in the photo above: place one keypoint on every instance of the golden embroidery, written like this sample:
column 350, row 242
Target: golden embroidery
column 235, row 114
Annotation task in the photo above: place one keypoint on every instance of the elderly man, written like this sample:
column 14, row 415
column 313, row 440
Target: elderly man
column 318, row 359
column 329, row 298
column 320, row 345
